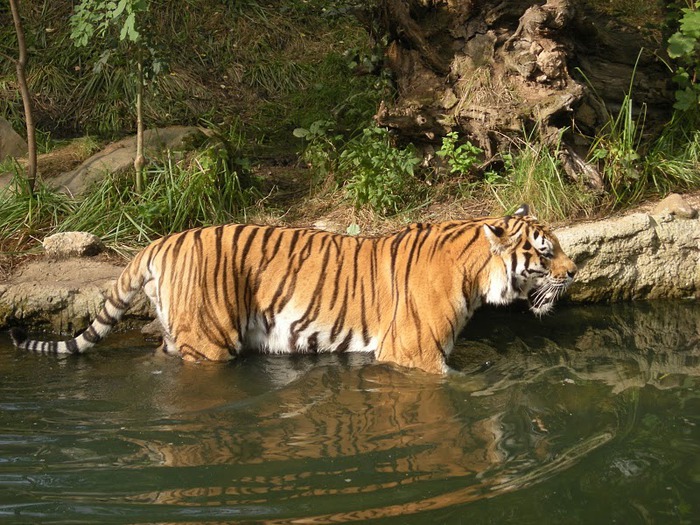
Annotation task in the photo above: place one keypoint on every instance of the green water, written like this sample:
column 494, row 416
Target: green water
column 590, row 415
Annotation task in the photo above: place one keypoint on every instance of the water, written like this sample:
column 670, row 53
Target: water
column 589, row 416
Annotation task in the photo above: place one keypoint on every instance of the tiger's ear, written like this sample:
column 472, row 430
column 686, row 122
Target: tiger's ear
column 496, row 237
column 522, row 210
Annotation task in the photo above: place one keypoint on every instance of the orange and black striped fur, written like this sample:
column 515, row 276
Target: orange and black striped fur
column 404, row 297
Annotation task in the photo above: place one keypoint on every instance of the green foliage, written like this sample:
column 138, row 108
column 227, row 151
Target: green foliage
column 25, row 214
column 94, row 18
column 533, row 174
column 209, row 187
column 274, row 66
column 321, row 143
column 460, row 159
column 201, row 190
column 377, row 173
column 616, row 150
column 673, row 161
column 684, row 47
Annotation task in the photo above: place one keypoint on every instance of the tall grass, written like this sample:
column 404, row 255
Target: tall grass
column 26, row 216
column 533, row 174
column 617, row 150
column 673, row 161
column 208, row 187
column 201, row 190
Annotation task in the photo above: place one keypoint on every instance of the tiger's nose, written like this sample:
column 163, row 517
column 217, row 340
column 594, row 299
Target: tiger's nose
column 571, row 271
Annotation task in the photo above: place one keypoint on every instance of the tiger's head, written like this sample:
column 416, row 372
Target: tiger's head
column 534, row 266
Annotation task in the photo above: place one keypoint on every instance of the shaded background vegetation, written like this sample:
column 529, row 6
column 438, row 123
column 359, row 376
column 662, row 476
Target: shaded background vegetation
column 289, row 89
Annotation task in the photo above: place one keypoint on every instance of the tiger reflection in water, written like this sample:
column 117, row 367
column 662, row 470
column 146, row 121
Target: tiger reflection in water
column 375, row 426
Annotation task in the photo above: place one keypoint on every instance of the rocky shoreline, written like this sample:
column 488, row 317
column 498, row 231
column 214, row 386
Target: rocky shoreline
column 652, row 254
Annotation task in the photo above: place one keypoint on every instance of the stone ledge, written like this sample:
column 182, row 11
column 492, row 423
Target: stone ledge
column 638, row 256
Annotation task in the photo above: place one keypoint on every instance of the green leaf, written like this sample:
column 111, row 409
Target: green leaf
column 119, row 9
column 680, row 45
column 686, row 99
column 300, row 133
column 129, row 31
column 690, row 23
column 353, row 229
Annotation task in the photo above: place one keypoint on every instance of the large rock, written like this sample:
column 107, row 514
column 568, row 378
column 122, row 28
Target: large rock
column 11, row 143
column 639, row 256
column 63, row 296
column 119, row 156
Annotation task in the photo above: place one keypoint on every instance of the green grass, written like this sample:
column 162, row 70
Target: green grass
column 206, row 187
column 25, row 217
column 533, row 174
column 673, row 161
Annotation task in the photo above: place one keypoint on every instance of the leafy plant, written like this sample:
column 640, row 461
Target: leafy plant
column 616, row 149
column 321, row 144
column 684, row 47
column 460, row 158
column 377, row 173
column 100, row 20
column 673, row 161
column 203, row 189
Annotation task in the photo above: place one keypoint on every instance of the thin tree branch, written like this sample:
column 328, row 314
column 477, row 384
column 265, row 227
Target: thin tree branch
column 20, row 65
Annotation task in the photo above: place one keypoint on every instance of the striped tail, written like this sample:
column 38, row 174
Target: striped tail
column 118, row 301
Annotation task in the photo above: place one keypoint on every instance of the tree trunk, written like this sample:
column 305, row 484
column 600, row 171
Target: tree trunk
column 21, row 64
column 491, row 70
column 140, row 159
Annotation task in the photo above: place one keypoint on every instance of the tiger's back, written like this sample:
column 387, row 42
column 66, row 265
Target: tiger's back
column 221, row 290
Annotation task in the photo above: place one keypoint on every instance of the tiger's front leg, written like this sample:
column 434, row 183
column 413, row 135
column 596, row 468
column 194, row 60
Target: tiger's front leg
column 404, row 346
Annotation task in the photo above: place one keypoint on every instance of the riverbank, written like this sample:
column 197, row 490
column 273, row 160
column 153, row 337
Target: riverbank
column 651, row 253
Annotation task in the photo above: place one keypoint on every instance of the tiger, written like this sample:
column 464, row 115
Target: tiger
column 221, row 291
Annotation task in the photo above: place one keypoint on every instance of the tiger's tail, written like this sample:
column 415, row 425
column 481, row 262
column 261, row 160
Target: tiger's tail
column 118, row 300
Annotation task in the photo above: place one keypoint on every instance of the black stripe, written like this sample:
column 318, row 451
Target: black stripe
column 91, row 335
column 471, row 241
column 118, row 303
column 313, row 343
column 72, row 346
column 105, row 318
column 363, row 315
column 345, row 344
column 249, row 243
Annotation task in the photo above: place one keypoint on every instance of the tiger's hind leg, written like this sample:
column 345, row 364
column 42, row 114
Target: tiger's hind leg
column 194, row 345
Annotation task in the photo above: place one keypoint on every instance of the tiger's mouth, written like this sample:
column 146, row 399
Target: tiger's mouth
column 542, row 298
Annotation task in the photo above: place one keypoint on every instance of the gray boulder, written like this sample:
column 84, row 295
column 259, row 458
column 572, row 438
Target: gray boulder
column 119, row 156
column 11, row 143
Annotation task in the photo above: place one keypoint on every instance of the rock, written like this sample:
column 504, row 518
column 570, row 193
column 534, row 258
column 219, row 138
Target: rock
column 119, row 156
column 634, row 257
column 11, row 143
column 64, row 296
column 676, row 205
column 153, row 330
column 72, row 244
